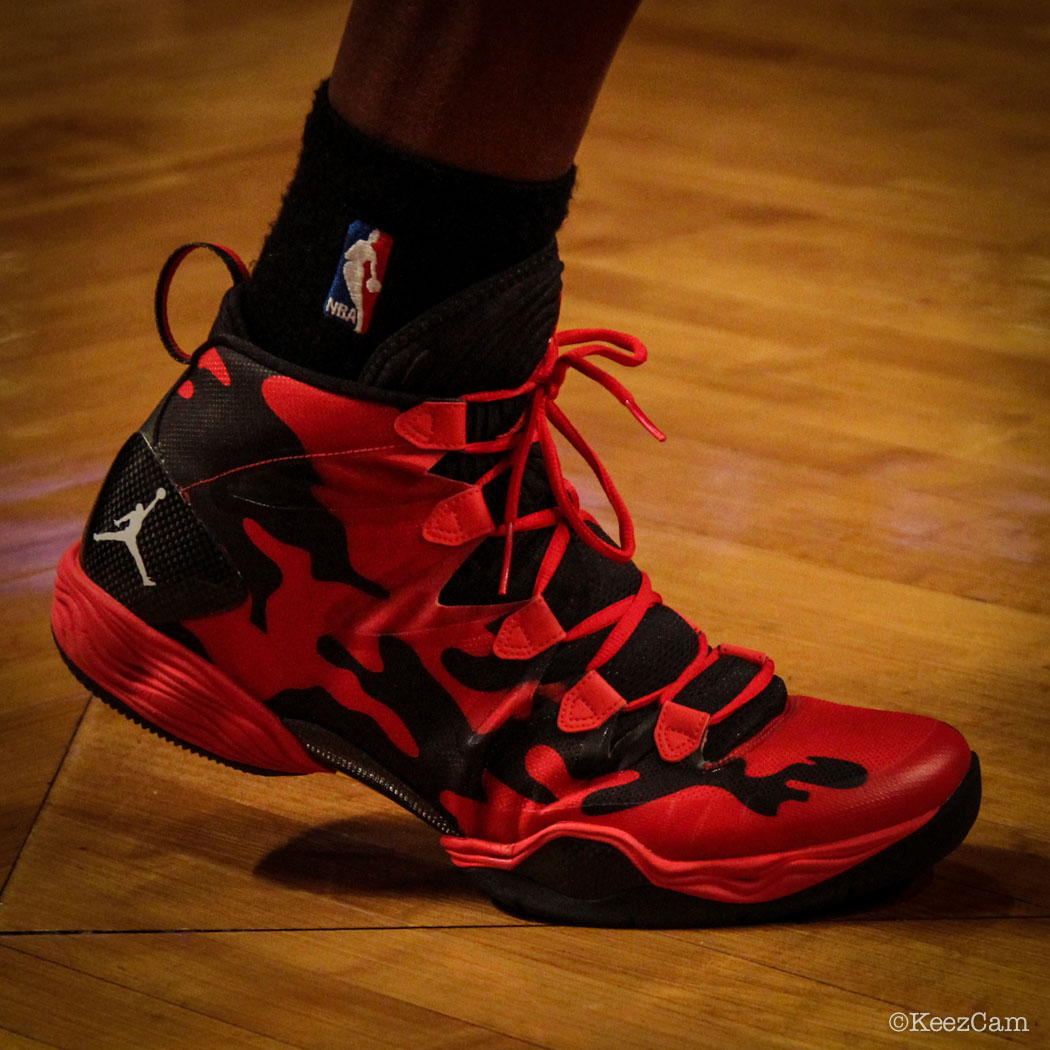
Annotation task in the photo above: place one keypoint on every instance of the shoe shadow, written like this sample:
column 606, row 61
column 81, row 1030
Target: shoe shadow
column 973, row 882
column 385, row 856
column 372, row 855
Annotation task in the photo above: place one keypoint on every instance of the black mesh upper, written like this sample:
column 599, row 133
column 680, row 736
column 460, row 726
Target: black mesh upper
column 189, row 574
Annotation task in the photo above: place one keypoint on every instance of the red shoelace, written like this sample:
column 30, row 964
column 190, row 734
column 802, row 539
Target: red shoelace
column 566, row 350
column 535, row 427
column 571, row 350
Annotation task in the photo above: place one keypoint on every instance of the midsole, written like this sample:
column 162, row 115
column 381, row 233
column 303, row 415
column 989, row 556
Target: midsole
column 167, row 684
column 736, row 880
column 183, row 694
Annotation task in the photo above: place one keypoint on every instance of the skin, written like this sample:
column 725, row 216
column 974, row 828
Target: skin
column 501, row 87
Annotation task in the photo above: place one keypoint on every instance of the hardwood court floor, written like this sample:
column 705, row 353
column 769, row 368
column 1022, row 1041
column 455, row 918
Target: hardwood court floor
column 831, row 223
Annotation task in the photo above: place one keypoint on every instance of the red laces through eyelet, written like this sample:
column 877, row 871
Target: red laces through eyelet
column 543, row 411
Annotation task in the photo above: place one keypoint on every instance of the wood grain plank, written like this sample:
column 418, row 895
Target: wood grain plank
column 945, row 967
column 833, row 230
column 139, row 834
column 66, row 1007
column 566, row 989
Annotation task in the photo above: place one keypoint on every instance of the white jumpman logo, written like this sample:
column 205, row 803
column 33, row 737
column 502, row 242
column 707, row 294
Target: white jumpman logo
column 358, row 256
column 132, row 522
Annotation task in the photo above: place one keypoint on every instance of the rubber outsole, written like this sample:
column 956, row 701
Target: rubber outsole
column 635, row 902
column 555, row 884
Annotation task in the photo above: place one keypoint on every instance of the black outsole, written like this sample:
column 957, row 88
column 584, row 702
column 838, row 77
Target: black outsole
column 571, row 863
column 641, row 904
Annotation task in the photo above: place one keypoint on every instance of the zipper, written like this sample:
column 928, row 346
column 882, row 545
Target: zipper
column 337, row 754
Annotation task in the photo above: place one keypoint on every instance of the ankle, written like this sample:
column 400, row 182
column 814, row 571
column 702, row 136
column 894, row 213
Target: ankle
column 434, row 230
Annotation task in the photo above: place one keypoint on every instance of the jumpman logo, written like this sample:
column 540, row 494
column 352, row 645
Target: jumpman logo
column 129, row 534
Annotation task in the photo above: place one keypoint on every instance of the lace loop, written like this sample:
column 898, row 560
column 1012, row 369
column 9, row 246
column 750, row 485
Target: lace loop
column 542, row 412
column 680, row 729
column 235, row 266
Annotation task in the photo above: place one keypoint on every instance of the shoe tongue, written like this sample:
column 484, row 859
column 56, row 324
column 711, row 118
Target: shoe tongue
column 490, row 336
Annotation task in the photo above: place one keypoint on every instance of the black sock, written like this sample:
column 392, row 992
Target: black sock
column 369, row 237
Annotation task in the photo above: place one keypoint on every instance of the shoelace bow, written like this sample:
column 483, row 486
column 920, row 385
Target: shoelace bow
column 570, row 350
column 535, row 427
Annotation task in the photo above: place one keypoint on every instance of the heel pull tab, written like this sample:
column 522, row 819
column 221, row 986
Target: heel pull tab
column 234, row 264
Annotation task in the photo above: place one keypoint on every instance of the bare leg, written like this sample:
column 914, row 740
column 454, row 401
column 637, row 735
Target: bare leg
column 504, row 87
column 446, row 140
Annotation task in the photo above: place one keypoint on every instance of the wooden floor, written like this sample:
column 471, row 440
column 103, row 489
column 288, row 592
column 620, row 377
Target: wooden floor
column 831, row 223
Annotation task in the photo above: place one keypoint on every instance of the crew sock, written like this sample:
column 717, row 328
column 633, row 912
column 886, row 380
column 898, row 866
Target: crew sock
column 369, row 237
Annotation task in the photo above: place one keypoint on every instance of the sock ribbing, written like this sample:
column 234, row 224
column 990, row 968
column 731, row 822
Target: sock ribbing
column 450, row 229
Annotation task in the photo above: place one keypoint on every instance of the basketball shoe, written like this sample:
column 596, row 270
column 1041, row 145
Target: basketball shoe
column 392, row 578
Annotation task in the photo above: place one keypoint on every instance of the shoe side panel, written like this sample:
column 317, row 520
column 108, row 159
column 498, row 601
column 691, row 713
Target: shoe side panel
column 170, row 687
column 145, row 546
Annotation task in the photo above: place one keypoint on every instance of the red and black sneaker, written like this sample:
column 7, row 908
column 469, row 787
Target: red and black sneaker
column 392, row 578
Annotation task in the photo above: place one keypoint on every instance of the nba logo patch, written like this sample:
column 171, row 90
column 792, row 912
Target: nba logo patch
column 359, row 276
